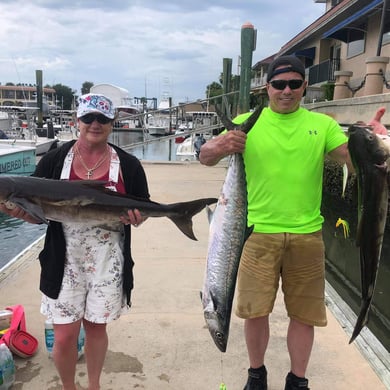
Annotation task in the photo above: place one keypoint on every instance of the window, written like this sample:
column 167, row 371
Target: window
column 386, row 37
column 356, row 40
column 9, row 94
column 386, row 34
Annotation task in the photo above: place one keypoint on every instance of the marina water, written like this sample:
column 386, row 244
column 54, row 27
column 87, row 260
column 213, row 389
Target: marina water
column 16, row 235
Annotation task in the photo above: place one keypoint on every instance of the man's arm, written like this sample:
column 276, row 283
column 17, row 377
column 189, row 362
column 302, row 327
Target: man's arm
column 219, row 147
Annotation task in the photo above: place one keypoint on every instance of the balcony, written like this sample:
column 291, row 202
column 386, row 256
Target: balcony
column 324, row 71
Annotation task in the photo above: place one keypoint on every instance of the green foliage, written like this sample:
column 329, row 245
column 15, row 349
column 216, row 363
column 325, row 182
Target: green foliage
column 86, row 87
column 328, row 90
column 65, row 96
column 214, row 89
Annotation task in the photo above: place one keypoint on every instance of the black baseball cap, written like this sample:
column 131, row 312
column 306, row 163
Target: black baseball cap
column 292, row 64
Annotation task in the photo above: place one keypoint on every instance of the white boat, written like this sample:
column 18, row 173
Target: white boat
column 189, row 149
column 17, row 160
column 23, row 131
column 157, row 124
column 41, row 144
column 157, row 130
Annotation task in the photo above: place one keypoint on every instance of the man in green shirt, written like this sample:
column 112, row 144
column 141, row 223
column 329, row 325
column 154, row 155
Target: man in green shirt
column 284, row 159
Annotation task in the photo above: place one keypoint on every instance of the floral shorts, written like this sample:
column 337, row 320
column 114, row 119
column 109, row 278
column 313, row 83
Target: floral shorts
column 93, row 277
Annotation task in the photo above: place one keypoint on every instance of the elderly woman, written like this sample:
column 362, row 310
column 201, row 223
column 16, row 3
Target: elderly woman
column 86, row 271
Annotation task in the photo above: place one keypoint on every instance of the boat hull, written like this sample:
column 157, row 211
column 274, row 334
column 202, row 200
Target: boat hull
column 17, row 160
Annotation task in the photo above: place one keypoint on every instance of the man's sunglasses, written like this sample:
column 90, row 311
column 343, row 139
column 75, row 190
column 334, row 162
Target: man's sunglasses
column 282, row 84
column 89, row 118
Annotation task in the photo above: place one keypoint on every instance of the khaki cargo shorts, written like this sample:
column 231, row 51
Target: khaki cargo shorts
column 298, row 261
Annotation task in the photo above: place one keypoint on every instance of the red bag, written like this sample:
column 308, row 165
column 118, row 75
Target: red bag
column 17, row 339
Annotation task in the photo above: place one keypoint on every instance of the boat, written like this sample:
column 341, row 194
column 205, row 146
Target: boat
column 23, row 131
column 183, row 132
column 189, row 149
column 157, row 124
column 17, row 160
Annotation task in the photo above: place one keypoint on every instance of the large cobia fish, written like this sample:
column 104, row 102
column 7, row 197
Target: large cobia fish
column 369, row 155
column 228, row 232
column 89, row 201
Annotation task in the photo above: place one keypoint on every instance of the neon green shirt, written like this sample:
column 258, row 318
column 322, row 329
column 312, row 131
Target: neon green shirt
column 284, row 162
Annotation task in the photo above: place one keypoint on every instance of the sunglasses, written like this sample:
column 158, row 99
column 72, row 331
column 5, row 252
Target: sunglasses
column 282, row 84
column 89, row 118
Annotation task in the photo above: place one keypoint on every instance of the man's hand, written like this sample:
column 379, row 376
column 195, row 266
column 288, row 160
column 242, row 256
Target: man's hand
column 375, row 122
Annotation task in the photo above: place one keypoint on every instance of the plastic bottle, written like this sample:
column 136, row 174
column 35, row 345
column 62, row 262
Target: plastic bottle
column 80, row 342
column 7, row 368
column 49, row 339
column 5, row 319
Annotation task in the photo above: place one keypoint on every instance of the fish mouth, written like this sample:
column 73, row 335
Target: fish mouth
column 381, row 166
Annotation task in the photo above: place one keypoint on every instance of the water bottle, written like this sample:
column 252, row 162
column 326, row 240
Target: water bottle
column 80, row 342
column 7, row 368
column 5, row 319
column 49, row 339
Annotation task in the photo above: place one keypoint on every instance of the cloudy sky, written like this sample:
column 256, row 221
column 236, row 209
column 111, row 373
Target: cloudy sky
column 149, row 47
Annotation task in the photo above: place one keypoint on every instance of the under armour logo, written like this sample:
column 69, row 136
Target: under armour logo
column 313, row 132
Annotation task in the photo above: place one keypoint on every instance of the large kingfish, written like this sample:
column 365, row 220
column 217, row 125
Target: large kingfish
column 90, row 202
column 228, row 232
column 369, row 155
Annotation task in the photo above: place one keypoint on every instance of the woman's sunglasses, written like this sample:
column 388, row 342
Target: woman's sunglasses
column 282, row 84
column 89, row 118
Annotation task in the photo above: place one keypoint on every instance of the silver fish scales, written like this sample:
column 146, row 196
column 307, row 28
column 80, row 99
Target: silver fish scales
column 227, row 235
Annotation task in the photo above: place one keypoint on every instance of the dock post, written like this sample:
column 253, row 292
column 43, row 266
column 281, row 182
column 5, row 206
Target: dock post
column 226, row 84
column 38, row 77
column 248, row 45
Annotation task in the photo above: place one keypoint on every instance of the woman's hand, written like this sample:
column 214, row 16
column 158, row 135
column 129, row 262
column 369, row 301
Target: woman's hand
column 12, row 210
column 133, row 217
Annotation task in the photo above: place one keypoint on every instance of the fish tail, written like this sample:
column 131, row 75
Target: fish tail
column 184, row 211
column 362, row 319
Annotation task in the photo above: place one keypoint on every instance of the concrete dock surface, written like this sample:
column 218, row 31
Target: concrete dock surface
column 163, row 343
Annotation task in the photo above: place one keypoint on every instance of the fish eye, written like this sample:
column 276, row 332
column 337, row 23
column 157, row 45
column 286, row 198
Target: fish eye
column 219, row 335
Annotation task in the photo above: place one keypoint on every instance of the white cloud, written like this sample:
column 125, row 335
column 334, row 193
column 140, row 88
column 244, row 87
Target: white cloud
column 154, row 46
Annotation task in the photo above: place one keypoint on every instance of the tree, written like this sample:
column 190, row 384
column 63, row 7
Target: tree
column 86, row 87
column 65, row 96
column 214, row 89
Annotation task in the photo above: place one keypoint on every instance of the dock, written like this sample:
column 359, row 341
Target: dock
column 162, row 342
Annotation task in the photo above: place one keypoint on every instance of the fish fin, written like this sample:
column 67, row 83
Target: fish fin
column 214, row 301
column 250, row 122
column 30, row 208
column 248, row 232
column 210, row 213
column 345, row 179
column 229, row 125
column 362, row 319
column 246, row 126
column 185, row 211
